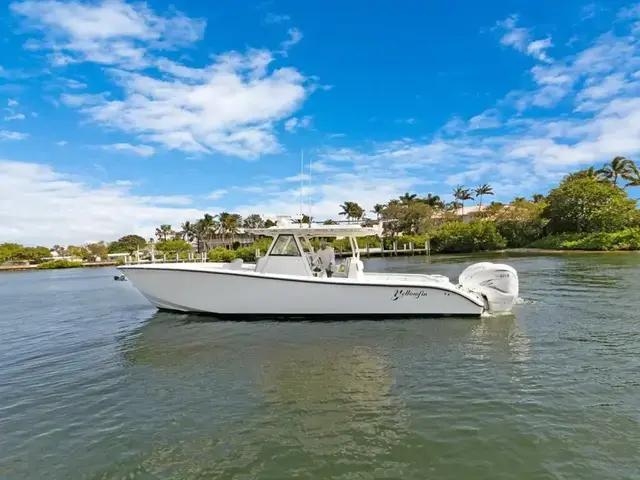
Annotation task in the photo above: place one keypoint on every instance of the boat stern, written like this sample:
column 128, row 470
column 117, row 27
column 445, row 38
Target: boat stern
column 497, row 283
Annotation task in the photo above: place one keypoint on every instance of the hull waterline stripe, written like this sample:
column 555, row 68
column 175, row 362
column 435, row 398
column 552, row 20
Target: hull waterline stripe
column 321, row 316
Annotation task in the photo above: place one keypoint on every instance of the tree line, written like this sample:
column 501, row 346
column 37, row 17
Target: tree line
column 589, row 201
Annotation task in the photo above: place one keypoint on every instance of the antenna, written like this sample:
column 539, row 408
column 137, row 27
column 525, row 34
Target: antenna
column 309, row 192
column 301, row 179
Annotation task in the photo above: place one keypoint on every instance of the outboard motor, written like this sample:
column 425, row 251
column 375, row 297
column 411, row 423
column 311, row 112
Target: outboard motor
column 497, row 283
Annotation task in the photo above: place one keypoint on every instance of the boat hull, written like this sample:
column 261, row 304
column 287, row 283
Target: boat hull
column 228, row 293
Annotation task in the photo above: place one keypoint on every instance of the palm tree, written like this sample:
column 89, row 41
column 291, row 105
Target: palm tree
column 378, row 209
column 205, row 229
column 188, row 231
column 253, row 221
column 634, row 179
column 408, row 198
column 483, row 190
column 357, row 212
column 590, row 172
column 229, row 224
column 305, row 219
column 433, row 201
column 462, row 194
column 619, row 167
column 537, row 197
column 453, row 206
column 164, row 232
column 346, row 210
column 352, row 211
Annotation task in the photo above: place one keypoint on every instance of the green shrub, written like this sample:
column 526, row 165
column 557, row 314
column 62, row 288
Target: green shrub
column 343, row 245
column 520, row 233
column 221, row 254
column 59, row 264
column 372, row 240
column 418, row 241
column 458, row 237
column 262, row 244
column 248, row 254
column 340, row 244
column 628, row 239
column 588, row 205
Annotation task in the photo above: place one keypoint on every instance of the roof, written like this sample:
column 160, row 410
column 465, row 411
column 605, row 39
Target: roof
column 469, row 210
column 318, row 230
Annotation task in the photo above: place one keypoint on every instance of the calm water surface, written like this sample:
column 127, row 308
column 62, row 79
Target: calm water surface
column 95, row 384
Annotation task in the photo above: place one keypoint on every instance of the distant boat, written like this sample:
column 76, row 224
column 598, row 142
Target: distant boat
column 288, row 282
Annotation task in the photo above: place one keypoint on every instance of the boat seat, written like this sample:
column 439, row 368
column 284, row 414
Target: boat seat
column 235, row 264
column 354, row 268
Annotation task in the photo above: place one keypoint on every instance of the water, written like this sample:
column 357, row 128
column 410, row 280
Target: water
column 95, row 384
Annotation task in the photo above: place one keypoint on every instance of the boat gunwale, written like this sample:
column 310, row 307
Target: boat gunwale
column 328, row 281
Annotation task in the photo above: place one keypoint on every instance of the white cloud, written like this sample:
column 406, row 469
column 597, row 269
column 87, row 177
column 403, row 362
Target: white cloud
column 178, row 200
column 14, row 116
column 12, row 103
column 75, row 84
column 632, row 12
column 519, row 38
column 407, row 121
column 272, row 18
column 61, row 143
column 217, row 194
column 39, row 205
column 591, row 10
column 537, row 49
column 293, row 124
column 301, row 177
column 486, row 120
column 321, row 167
column 140, row 150
column 7, row 135
column 326, row 198
column 228, row 107
column 295, row 36
column 608, row 87
column 108, row 32
column 515, row 37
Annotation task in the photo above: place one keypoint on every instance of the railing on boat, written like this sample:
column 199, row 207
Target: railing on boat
column 407, row 249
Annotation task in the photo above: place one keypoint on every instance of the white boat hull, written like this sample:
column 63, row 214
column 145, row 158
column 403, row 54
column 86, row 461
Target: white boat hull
column 227, row 292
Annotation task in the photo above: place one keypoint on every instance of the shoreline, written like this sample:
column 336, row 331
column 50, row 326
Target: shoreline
column 388, row 254
column 22, row 268
column 557, row 250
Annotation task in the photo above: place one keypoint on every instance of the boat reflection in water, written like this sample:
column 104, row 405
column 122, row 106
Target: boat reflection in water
column 327, row 399
column 275, row 393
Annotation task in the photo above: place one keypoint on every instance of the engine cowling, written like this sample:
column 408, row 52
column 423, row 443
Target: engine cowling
column 497, row 283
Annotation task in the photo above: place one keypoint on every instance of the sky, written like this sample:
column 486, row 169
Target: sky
column 120, row 116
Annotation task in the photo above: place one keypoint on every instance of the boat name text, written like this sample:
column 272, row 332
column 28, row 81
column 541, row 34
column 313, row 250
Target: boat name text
column 405, row 292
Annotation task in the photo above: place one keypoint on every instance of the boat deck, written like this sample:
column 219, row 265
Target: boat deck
column 249, row 269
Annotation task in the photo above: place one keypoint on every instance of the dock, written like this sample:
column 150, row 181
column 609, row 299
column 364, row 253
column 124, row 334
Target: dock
column 406, row 249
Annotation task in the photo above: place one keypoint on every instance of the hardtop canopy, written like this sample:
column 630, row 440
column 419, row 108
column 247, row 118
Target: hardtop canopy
column 318, row 230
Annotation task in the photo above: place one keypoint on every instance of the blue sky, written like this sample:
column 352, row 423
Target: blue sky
column 121, row 116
